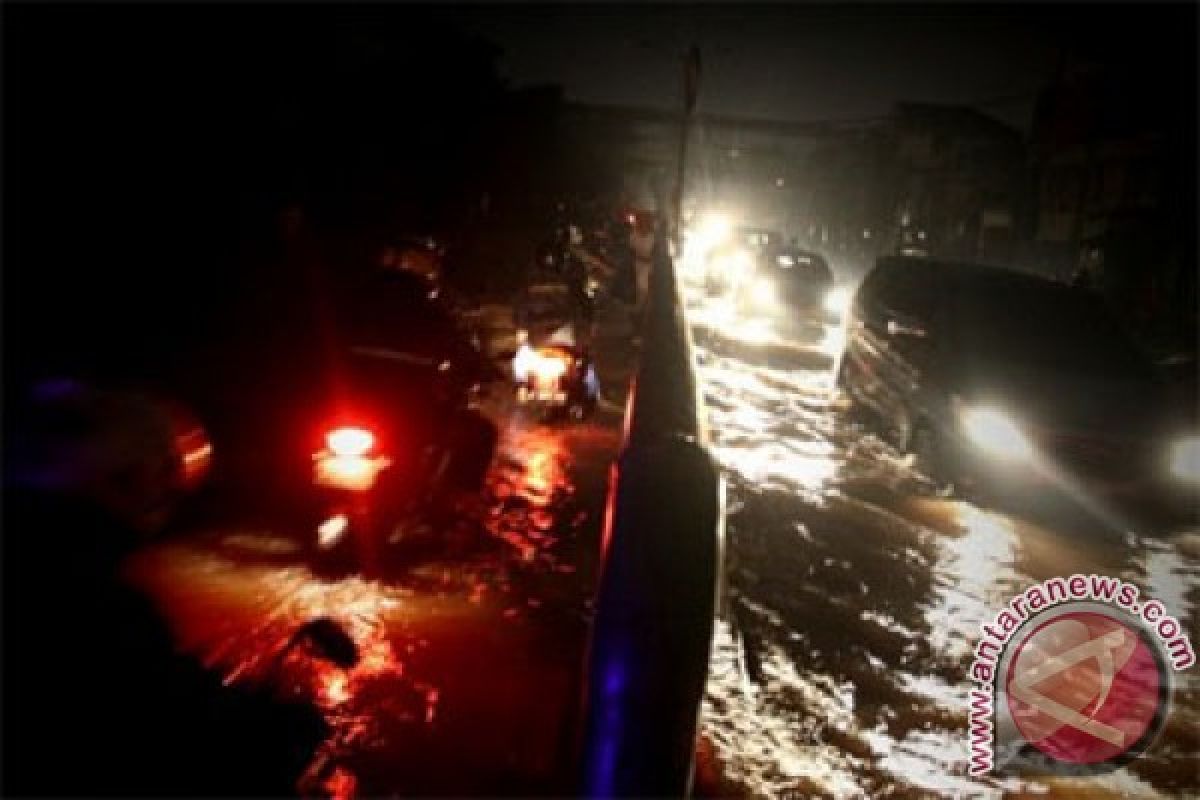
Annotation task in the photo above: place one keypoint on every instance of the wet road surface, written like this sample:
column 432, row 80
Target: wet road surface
column 840, row 667
column 471, row 651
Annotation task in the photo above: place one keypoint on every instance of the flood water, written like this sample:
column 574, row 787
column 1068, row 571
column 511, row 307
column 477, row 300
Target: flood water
column 840, row 669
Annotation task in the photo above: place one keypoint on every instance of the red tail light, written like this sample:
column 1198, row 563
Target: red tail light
column 350, row 442
column 191, row 444
column 350, row 460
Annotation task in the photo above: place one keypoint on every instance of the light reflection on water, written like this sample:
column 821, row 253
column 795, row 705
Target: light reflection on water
column 974, row 579
column 1172, row 578
column 855, row 605
column 767, row 753
column 415, row 703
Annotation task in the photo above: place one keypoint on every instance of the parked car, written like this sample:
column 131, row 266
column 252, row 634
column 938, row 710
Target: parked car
column 989, row 375
column 129, row 450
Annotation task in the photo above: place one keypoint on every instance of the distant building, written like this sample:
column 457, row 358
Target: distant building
column 937, row 180
column 961, row 181
column 946, row 180
column 1113, row 160
column 749, row 167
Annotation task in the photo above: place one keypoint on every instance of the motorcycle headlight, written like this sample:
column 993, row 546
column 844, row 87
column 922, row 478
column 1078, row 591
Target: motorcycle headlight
column 525, row 360
column 548, row 368
column 1185, row 459
column 837, row 300
column 995, row 433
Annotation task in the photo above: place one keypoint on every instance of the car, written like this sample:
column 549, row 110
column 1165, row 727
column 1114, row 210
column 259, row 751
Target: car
column 131, row 451
column 789, row 283
column 727, row 268
column 991, row 376
column 761, row 240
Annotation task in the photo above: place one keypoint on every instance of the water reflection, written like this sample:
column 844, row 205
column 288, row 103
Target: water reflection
column 766, row 753
column 855, row 601
column 466, row 654
column 1171, row 577
column 974, row 578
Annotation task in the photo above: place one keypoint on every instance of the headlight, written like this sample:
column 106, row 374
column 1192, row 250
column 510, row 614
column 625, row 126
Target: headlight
column 548, row 368
column 995, row 433
column 714, row 229
column 762, row 293
column 525, row 360
column 785, row 261
column 1185, row 459
column 837, row 300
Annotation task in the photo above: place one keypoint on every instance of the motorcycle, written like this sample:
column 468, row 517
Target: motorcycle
column 403, row 443
column 380, row 484
column 552, row 369
column 557, row 379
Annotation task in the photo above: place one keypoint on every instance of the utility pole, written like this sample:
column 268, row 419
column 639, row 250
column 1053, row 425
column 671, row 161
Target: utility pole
column 691, row 89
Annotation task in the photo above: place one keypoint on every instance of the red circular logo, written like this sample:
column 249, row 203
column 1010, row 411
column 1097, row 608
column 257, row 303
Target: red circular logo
column 1085, row 688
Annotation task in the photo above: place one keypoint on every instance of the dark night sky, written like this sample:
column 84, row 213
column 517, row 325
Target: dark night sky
column 806, row 62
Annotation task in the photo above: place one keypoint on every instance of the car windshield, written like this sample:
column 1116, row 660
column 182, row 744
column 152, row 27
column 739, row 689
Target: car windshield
column 801, row 264
column 1036, row 324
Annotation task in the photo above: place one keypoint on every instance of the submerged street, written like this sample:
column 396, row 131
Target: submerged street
column 852, row 603
column 855, row 602
column 471, row 647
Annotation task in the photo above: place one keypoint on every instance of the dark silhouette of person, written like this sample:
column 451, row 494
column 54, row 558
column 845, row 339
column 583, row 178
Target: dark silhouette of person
column 97, row 700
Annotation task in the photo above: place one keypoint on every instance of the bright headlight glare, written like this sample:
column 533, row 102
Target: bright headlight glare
column 762, row 292
column 1185, row 459
column 837, row 300
column 735, row 263
column 994, row 432
column 714, row 229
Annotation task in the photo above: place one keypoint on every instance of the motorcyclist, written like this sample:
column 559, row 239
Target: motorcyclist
column 406, row 359
column 402, row 312
column 575, row 274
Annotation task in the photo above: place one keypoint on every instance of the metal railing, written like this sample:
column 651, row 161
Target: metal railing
column 660, row 570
